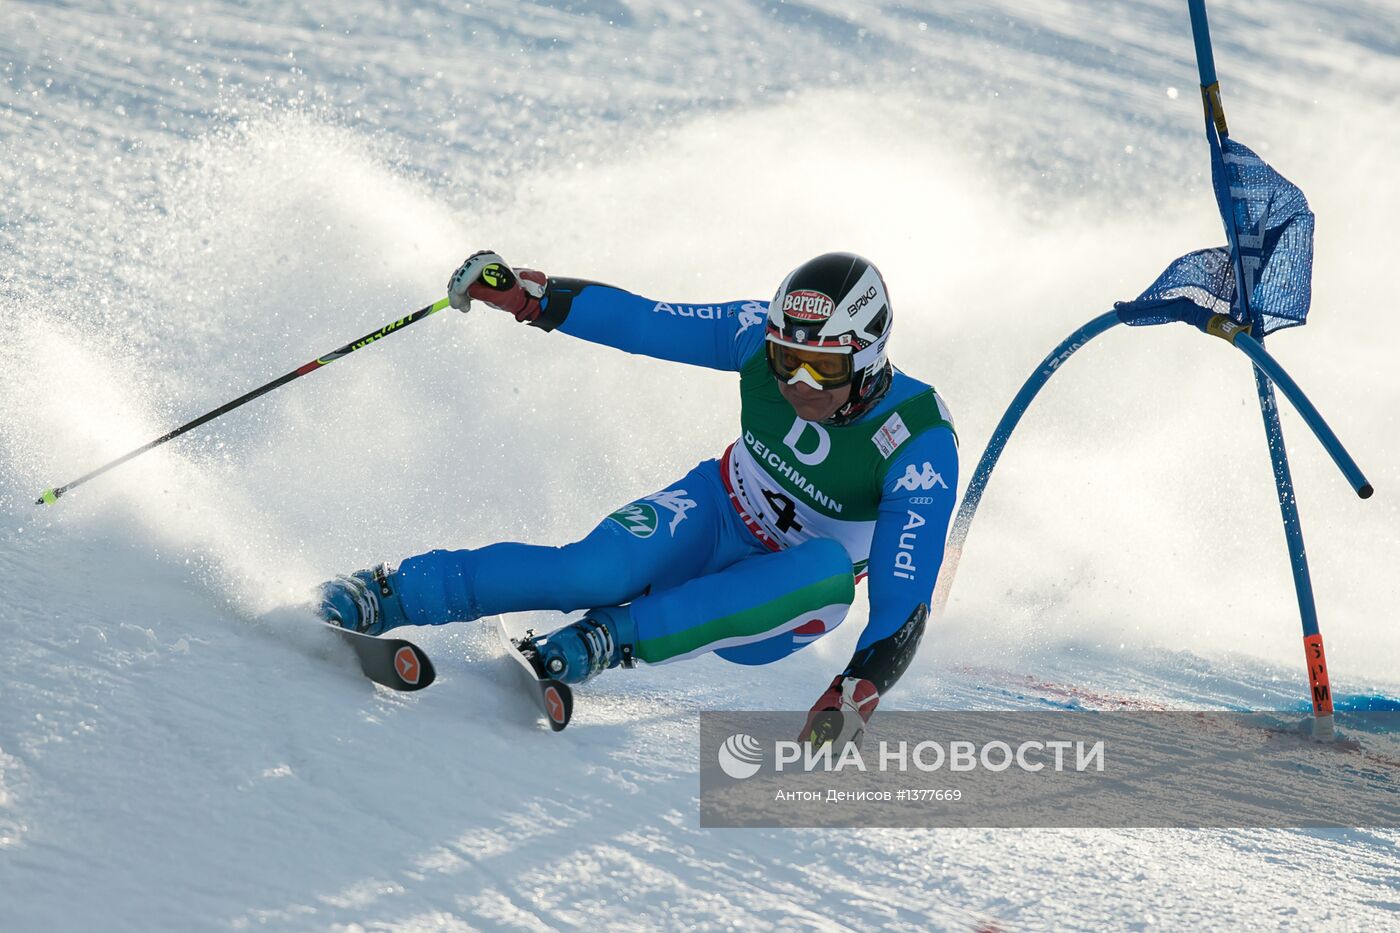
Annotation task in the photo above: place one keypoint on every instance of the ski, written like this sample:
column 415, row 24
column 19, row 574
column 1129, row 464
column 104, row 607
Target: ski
column 553, row 697
column 393, row 662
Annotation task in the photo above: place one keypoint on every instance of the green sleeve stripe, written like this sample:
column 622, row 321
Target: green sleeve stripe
column 755, row 620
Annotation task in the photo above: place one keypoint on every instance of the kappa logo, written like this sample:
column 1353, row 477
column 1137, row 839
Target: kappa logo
column 806, row 305
column 674, row 500
column 406, row 663
column 750, row 314
column 639, row 519
column 913, row 479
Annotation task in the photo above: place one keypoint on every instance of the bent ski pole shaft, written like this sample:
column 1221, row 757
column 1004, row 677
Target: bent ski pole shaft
column 51, row 496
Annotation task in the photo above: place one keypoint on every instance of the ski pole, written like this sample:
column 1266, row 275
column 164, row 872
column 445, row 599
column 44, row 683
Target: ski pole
column 51, row 496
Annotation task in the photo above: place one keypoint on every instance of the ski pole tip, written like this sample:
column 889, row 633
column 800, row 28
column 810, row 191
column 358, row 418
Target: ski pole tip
column 48, row 498
column 1365, row 491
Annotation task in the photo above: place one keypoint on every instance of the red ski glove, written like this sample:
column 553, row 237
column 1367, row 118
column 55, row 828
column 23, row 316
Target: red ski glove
column 486, row 277
column 839, row 717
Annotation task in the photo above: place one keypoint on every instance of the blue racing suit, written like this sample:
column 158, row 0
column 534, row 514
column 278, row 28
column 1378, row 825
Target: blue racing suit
column 752, row 555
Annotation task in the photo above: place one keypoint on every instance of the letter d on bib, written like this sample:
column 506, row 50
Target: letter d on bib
column 823, row 442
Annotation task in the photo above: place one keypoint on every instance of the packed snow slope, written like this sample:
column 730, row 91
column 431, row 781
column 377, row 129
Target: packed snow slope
column 195, row 198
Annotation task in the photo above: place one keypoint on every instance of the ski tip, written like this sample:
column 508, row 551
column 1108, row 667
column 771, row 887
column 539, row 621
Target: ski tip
column 413, row 667
column 558, row 704
column 390, row 662
column 553, row 697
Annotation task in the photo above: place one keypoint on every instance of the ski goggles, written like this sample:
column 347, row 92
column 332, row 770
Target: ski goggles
column 816, row 368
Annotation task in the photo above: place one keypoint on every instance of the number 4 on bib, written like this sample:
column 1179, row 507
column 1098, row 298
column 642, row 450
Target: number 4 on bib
column 784, row 509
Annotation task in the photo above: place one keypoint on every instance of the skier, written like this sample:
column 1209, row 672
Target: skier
column 845, row 468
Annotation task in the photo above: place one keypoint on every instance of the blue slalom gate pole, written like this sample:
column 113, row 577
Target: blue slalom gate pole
column 1267, row 373
column 1263, row 362
column 962, row 523
column 1200, row 33
column 1194, row 290
column 1316, row 657
column 1216, row 130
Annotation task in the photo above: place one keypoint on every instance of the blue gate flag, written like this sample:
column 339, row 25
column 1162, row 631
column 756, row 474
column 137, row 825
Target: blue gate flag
column 1196, row 287
column 1268, row 216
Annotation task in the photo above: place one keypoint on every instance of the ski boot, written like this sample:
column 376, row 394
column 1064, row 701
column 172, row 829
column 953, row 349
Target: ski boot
column 366, row 601
column 604, row 638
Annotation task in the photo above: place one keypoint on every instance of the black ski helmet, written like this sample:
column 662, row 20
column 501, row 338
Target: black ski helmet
column 838, row 302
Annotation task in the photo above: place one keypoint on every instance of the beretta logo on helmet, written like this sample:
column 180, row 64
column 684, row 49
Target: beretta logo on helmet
column 805, row 305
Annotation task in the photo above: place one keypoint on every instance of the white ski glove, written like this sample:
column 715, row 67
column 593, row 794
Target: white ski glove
column 486, row 277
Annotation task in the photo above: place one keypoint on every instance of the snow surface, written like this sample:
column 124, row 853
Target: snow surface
column 195, row 198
